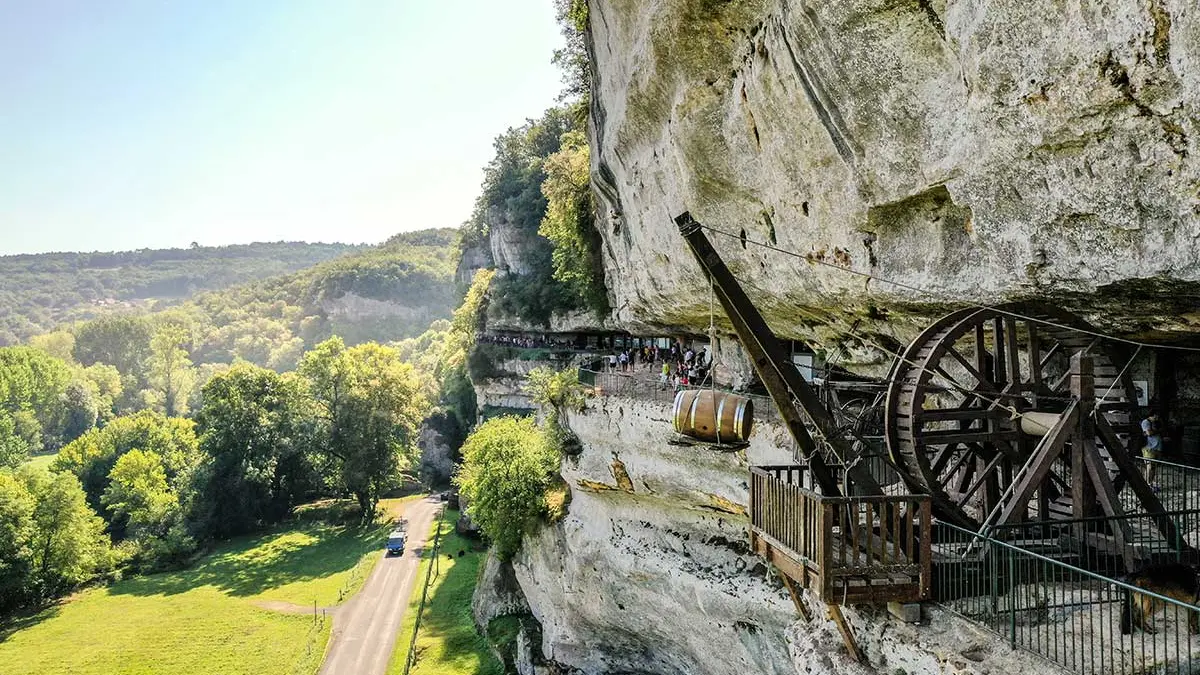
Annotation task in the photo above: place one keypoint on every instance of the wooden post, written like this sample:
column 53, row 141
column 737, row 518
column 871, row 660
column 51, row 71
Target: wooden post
column 1083, row 493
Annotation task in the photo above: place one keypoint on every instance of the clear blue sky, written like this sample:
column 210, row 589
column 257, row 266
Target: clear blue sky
column 155, row 123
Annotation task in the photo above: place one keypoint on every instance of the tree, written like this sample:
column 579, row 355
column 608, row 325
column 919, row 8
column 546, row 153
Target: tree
column 506, row 471
column 16, row 541
column 31, row 387
column 122, row 342
column 171, row 372
column 138, row 489
column 69, row 545
column 573, row 58
column 60, row 344
column 79, row 409
column 370, row 406
column 18, row 438
column 92, row 456
column 570, row 222
column 255, row 430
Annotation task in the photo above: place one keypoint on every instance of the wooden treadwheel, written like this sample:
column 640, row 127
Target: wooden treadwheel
column 952, row 426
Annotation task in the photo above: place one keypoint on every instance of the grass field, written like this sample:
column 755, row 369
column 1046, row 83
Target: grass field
column 447, row 643
column 209, row 618
column 43, row 461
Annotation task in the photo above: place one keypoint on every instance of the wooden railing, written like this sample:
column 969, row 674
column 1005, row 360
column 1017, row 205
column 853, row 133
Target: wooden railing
column 846, row 549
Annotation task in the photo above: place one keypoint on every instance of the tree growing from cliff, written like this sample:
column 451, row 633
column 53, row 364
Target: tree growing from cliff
column 507, row 468
column 570, row 222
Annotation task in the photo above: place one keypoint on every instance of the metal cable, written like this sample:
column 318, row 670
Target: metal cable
column 900, row 284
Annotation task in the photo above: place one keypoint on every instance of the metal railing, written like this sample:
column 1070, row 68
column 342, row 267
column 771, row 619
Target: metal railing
column 643, row 384
column 846, row 549
column 1045, row 603
column 1178, row 485
column 1103, row 544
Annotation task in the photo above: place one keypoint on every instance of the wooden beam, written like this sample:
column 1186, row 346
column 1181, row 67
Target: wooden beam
column 835, row 613
column 1082, row 389
column 1039, row 465
column 798, row 601
column 769, row 360
column 958, row 436
column 1137, row 482
column 1109, row 501
column 1010, row 347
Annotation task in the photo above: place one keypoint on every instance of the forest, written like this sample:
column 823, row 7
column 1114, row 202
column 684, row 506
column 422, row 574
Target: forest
column 141, row 483
column 220, row 393
column 39, row 292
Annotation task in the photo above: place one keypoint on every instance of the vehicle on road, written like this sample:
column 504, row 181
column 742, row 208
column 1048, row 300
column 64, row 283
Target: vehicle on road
column 395, row 543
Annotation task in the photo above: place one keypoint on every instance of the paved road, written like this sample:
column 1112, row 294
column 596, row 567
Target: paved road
column 365, row 627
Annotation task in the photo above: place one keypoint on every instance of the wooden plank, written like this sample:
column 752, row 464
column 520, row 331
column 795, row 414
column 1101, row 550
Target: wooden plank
column 984, row 475
column 1001, row 368
column 1035, row 359
column 984, row 383
column 1010, row 346
column 962, row 414
column 956, row 436
column 926, row 561
column 801, row 608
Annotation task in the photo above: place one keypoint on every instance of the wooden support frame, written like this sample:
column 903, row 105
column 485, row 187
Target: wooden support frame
column 781, row 379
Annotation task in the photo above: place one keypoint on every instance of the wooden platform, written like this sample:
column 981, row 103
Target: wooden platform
column 847, row 550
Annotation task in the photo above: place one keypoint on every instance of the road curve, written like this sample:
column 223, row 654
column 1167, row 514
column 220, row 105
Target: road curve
column 365, row 627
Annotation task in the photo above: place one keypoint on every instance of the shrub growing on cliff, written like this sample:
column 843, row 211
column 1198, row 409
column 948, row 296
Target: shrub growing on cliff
column 507, row 468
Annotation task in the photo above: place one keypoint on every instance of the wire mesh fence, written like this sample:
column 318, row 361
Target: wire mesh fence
column 1048, row 604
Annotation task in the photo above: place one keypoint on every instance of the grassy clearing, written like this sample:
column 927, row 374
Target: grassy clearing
column 42, row 461
column 447, row 643
column 206, row 619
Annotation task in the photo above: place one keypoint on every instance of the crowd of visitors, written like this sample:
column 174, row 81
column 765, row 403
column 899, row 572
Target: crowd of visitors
column 526, row 342
column 677, row 366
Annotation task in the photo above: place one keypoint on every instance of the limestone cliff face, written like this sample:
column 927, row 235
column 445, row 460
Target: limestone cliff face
column 650, row 573
column 978, row 149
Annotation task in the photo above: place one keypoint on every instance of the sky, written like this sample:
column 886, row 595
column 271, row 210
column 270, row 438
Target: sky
column 156, row 123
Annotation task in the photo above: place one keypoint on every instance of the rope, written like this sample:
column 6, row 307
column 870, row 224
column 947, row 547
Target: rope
column 899, row 284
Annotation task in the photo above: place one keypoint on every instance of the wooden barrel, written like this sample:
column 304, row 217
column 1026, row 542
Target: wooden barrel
column 713, row 416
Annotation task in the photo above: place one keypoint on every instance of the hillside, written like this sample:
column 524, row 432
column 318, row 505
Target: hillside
column 384, row 293
column 38, row 292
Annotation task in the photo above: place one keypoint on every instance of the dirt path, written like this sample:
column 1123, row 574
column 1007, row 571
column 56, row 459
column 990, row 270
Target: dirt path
column 365, row 627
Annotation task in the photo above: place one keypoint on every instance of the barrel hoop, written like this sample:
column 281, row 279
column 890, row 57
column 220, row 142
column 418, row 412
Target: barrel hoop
column 675, row 412
column 737, row 418
column 720, row 415
column 692, row 412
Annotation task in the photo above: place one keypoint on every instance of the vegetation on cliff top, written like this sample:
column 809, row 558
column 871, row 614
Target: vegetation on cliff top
column 39, row 292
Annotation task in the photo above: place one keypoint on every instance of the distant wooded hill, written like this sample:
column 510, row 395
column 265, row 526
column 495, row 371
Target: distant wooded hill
column 40, row 292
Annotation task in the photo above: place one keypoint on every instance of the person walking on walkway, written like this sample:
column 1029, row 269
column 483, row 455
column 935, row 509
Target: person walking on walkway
column 1152, row 451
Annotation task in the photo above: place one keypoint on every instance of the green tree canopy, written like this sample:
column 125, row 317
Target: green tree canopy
column 371, row 407
column 92, row 456
column 506, row 471
column 255, row 430
column 68, row 545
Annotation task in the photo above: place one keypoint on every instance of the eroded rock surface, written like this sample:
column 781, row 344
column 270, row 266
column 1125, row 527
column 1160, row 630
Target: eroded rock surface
column 651, row 573
column 978, row 149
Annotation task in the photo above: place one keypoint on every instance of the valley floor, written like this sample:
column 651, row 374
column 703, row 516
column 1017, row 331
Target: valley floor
column 248, row 607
